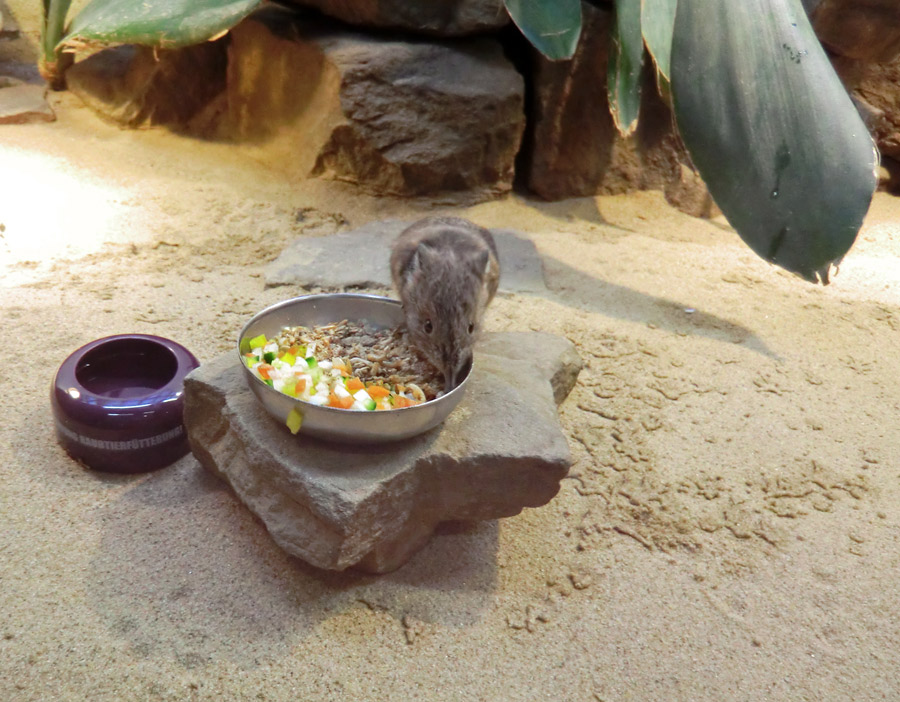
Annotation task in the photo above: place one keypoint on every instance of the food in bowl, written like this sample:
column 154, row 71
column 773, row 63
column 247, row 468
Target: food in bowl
column 327, row 423
column 344, row 365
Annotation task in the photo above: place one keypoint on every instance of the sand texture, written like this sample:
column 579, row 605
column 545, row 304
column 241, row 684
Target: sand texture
column 729, row 529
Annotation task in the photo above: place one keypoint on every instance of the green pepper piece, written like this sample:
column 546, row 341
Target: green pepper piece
column 294, row 420
column 269, row 356
column 258, row 341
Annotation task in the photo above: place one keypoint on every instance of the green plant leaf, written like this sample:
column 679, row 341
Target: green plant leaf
column 51, row 63
column 772, row 130
column 626, row 59
column 163, row 23
column 552, row 26
column 657, row 24
column 55, row 12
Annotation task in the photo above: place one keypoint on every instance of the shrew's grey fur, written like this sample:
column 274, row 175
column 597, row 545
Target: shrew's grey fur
column 446, row 271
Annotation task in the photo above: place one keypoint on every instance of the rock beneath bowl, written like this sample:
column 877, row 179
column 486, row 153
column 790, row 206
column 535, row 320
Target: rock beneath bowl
column 372, row 508
column 321, row 262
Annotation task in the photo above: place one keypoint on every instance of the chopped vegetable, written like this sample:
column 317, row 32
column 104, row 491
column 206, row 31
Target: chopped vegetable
column 294, row 420
column 293, row 369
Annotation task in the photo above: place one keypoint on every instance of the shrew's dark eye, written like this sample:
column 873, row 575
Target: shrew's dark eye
column 471, row 328
column 428, row 326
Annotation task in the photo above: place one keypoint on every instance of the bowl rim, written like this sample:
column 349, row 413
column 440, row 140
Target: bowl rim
column 336, row 410
column 66, row 376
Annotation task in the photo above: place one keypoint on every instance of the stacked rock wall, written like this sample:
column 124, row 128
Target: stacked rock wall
column 421, row 98
column 863, row 37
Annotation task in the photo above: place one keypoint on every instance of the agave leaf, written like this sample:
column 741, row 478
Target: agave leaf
column 772, row 130
column 55, row 12
column 657, row 23
column 164, row 23
column 51, row 64
column 626, row 60
column 552, row 26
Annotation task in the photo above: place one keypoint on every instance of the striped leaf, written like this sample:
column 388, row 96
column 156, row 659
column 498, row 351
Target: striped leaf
column 626, row 60
column 772, row 130
column 163, row 23
column 552, row 26
column 657, row 24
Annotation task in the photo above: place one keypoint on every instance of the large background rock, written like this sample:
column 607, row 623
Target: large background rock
column 499, row 451
column 397, row 117
column 875, row 89
column 427, row 116
column 439, row 17
column 864, row 38
column 868, row 30
column 573, row 147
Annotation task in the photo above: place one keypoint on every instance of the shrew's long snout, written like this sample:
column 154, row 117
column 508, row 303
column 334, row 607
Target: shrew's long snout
column 453, row 377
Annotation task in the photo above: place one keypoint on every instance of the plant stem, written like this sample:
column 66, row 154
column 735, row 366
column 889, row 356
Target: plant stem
column 52, row 64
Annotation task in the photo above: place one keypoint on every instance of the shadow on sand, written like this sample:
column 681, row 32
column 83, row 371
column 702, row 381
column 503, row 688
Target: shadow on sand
column 585, row 291
column 185, row 571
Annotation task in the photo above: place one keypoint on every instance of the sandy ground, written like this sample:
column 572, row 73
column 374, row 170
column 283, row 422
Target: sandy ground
column 729, row 529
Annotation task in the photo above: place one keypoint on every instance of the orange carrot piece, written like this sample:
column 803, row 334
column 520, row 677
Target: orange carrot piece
column 339, row 402
column 376, row 391
column 264, row 369
column 355, row 384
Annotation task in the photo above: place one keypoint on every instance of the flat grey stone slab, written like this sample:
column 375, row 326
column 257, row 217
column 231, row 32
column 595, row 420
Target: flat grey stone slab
column 9, row 29
column 22, row 102
column 360, row 259
column 371, row 508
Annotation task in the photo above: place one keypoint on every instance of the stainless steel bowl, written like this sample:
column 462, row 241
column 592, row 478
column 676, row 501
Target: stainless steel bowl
column 341, row 425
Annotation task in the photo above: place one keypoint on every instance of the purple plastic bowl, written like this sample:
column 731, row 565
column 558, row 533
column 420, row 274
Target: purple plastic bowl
column 118, row 403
